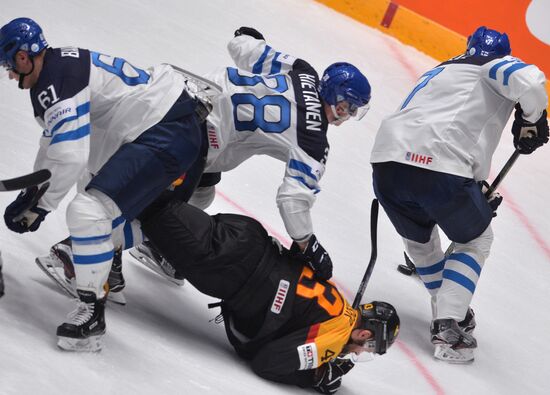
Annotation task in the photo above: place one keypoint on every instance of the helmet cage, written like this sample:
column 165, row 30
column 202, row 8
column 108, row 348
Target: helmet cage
column 375, row 317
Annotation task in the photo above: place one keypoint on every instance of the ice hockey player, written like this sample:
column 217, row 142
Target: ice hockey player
column 274, row 104
column 134, row 130
column 292, row 326
column 428, row 158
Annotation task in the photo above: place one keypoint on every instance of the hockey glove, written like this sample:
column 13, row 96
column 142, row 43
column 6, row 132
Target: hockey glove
column 23, row 215
column 249, row 31
column 529, row 136
column 316, row 257
column 494, row 199
column 330, row 375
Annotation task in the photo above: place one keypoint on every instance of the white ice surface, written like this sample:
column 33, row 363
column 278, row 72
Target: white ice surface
column 163, row 342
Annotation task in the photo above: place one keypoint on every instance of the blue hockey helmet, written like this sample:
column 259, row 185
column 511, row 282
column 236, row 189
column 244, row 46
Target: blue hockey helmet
column 343, row 81
column 21, row 34
column 485, row 42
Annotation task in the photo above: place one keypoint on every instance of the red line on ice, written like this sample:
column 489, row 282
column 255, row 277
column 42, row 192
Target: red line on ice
column 421, row 368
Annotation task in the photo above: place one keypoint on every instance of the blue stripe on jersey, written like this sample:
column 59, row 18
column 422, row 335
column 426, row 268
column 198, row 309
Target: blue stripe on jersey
column 460, row 279
column 128, row 236
column 493, row 70
column 467, row 260
column 511, row 69
column 89, row 240
column 435, row 268
column 275, row 64
column 302, row 168
column 259, row 65
column 92, row 259
column 80, row 110
column 303, row 181
column 82, row 131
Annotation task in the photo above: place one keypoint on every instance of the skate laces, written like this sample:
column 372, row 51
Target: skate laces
column 81, row 314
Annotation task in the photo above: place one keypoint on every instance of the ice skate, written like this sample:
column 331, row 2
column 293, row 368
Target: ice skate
column 468, row 324
column 452, row 343
column 84, row 328
column 146, row 254
column 58, row 266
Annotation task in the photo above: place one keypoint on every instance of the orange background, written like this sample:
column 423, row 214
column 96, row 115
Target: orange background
column 464, row 16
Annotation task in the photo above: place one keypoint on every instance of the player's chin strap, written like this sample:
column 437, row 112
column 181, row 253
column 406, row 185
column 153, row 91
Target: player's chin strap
column 23, row 75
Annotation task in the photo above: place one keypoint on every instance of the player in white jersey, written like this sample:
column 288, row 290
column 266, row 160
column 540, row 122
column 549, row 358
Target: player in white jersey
column 274, row 104
column 428, row 158
column 134, row 130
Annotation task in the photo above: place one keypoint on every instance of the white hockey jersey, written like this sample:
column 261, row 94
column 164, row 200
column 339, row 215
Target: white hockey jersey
column 270, row 106
column 89, row 104
column 453, row 119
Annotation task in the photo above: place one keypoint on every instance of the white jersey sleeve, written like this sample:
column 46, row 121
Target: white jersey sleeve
column 64, row 146
column 257, row 57
column 518, row 82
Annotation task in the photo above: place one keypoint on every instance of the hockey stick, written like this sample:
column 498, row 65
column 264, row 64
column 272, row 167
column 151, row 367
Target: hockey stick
column 28, row 180
column 373, row 253
column 408, row 268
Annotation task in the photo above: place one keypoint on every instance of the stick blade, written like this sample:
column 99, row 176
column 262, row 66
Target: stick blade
column 28, row 180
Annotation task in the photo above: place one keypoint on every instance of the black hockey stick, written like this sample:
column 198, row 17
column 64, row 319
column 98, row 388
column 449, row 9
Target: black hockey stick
column 373, row 253
column 408, row 268
column 28, row 180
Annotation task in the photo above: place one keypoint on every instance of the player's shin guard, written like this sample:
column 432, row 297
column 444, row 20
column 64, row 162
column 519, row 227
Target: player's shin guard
column 90, row 225
column 429, row 259
column 460, row 276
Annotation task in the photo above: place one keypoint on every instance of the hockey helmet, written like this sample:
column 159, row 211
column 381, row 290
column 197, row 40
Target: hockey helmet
column 485, row 42
column 381, row 319
column 343, row 81
column 21, row 34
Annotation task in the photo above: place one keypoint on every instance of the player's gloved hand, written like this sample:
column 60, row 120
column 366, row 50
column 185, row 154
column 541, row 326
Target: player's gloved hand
column 249, row 31
column 330, row 375
column 316, row 257
column 494, row 199
column 28, row 218
column 529, row 136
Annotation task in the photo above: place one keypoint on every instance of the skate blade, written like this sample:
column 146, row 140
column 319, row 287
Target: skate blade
column 116, row 297
column 445, row 352
column 152, row 265
column 56, row 273
column 90, row 344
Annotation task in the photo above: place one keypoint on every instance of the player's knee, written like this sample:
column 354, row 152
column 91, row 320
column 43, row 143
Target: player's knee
column 480, row 246
column 86, row 212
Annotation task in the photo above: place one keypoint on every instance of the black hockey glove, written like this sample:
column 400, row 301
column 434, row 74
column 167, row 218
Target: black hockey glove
column 494, row 199
column 249, row 31
column 29, row 216
column 314, row 256
column 330, row 375
column 529, row 136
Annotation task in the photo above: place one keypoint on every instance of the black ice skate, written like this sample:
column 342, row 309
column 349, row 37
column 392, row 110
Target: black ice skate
column 85, row 325
column 452, row 343
column 58, row 266
column 468, row 324
column 146, row 254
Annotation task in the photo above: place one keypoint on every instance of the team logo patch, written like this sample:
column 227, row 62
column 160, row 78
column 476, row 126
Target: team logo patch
column 280, row 297
column 307, row 353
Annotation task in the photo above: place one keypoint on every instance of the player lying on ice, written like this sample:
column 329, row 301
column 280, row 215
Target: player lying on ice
column 292, row 326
